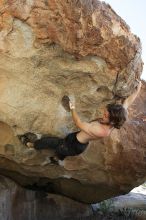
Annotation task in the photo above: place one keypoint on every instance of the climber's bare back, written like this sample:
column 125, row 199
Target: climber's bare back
column 92, row 131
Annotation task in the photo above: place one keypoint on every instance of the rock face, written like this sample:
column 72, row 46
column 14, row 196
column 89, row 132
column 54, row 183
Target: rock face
column 50, row 49
column 19, row 203
column 54, row 48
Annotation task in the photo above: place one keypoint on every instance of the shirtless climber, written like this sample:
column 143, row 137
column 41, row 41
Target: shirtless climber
column 75, row 143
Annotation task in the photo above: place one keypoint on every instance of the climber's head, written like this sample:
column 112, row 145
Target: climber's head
column 116, row 115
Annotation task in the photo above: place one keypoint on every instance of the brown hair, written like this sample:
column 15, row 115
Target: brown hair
column 117, row 115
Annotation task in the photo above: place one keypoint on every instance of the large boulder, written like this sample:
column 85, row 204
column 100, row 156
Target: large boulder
column 50, row 49
column 82, row 49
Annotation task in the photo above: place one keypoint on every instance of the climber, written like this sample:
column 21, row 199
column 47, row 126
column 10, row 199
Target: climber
column 75, row 143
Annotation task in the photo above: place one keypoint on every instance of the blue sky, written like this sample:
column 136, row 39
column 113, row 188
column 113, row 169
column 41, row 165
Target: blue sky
column 134, row 13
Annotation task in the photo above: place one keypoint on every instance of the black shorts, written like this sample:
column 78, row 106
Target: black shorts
column 69, row 146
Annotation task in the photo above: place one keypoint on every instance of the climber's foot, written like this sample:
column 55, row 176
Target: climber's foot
column 24, row 140
column 54, row 160
column 30, row 145
column 28, row 139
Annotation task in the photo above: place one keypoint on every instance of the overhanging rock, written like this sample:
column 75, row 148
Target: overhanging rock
column 82, row 49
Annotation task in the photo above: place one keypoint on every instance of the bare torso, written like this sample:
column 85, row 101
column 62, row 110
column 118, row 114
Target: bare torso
column 84, row 137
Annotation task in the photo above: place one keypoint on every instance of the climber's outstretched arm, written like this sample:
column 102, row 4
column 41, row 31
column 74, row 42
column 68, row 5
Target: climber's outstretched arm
column 132, row 97
column 78, row 122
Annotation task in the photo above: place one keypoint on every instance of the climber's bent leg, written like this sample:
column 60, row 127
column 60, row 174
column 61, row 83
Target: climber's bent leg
column 48, row 143
column 70, row 146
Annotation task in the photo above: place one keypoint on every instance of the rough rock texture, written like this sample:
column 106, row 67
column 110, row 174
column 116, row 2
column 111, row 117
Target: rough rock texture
column 21, row 204
column 49, row 49
column 54, row 48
